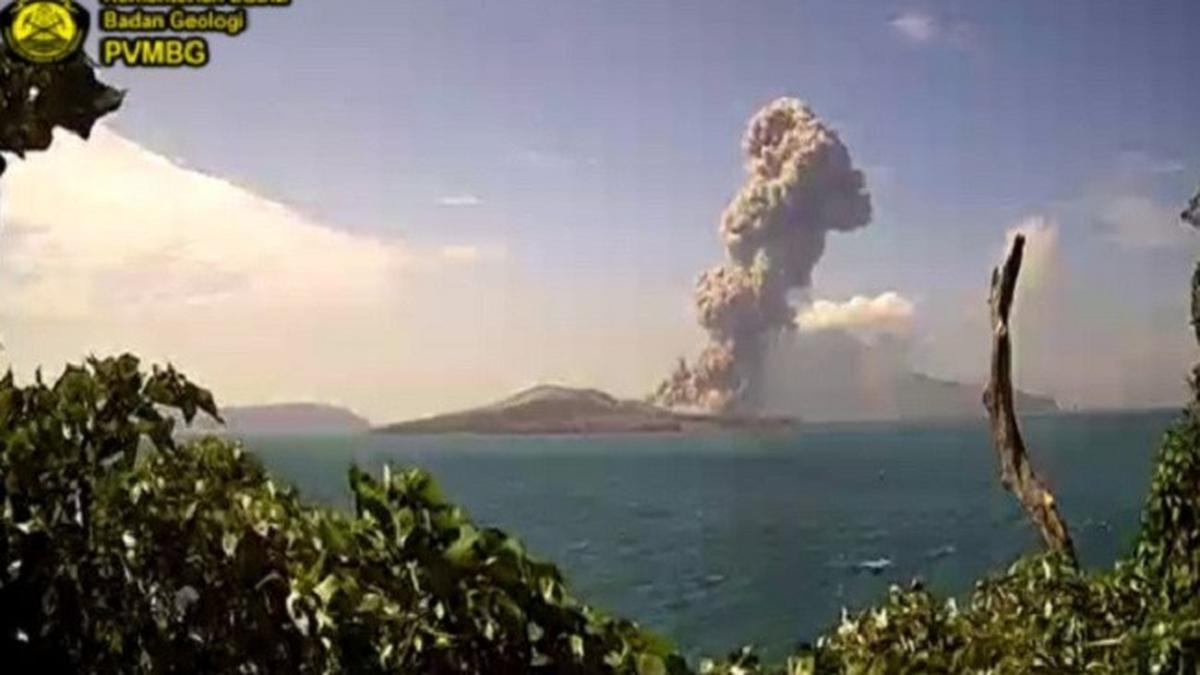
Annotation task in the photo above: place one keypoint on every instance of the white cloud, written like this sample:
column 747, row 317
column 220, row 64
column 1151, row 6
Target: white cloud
column 916, row 26
column 549, row 160
column 1135, row 202
column 462, row 199
column 887, row 313
column 465, row 253
column 1090, row 325
column 469, row 253
column 922, row 28
column 107, row 226
column 107, row 247
column 1136, row 221
column 1135, row 162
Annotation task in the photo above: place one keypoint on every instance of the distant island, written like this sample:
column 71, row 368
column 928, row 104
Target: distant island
column 286, row 418
column 924, row 397
column 551, row 409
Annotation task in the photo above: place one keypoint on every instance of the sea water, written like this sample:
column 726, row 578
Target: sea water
column 719, row 540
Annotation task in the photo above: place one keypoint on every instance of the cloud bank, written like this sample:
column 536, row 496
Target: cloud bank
column 1138, row 222
column 886, row 313
column 109, row 228
column 106, row 246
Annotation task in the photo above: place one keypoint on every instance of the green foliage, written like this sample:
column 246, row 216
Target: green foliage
column 125, row 552
column 1168, row 549
column 1041, row 616
column 1044, row 615
column 34, row 99
column 472, row 599
column 57, row 444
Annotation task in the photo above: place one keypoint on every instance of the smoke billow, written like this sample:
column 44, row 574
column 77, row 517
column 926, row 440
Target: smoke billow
column 801, row 184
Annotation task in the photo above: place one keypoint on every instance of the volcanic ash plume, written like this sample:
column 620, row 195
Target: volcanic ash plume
column 801, row 184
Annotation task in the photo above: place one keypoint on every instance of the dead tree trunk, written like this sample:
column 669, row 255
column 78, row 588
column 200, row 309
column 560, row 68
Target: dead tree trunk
column 1016, row 473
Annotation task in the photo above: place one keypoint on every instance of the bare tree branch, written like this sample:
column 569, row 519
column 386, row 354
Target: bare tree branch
column 1016, row 473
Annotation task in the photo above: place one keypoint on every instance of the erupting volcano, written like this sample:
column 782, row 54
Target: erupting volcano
column 801, row 184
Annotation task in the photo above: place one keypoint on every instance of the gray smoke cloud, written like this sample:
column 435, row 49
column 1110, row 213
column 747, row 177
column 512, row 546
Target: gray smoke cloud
column 800, row 185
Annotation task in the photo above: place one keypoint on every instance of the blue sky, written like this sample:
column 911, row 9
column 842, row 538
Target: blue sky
column 595, row 143
column 636, row 109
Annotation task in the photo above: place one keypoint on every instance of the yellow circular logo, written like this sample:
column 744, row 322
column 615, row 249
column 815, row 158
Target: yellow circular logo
column 44, row 31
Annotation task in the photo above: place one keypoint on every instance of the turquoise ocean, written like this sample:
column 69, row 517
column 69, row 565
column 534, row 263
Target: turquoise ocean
column 719, row 540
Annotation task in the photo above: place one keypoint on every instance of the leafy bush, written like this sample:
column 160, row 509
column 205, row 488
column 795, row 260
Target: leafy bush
column 1044, row 615
column 34, row 99
column 125, row 552
column 122, row 550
